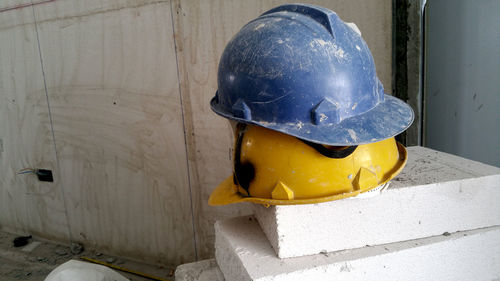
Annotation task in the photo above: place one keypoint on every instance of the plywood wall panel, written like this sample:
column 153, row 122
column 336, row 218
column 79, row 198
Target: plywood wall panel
column 202, row 29
column 26, row 205
column 112, row 82
column 12, row 4
column 125, row 169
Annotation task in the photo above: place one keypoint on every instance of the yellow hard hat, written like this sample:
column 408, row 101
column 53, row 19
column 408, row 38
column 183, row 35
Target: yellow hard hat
column 273, row 168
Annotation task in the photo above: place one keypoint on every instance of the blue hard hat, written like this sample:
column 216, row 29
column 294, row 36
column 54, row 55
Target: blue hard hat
column 299, row 69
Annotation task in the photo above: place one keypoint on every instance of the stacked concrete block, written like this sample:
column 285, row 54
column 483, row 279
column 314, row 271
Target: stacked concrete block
column 439, row 220
column 434, row 194
column 243, row 253
column 205, row 270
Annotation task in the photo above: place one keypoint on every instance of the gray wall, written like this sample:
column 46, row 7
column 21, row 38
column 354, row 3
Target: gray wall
column 113, row 97
column 462, row 78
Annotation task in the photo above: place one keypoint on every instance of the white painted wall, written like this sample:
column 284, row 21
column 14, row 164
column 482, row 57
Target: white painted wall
column 462, row 93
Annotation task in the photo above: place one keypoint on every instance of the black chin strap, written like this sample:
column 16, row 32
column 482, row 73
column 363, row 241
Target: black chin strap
column 243, row 172
column 331, row 153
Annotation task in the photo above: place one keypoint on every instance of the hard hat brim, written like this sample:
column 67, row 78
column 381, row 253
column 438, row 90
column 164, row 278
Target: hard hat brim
column 227, row 192
column 386, row 120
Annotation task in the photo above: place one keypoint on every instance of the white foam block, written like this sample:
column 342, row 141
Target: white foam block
column 244, row 253
column 435, row 193
column 205, row 270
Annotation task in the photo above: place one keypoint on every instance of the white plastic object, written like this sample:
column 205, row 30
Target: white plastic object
column 74, row 270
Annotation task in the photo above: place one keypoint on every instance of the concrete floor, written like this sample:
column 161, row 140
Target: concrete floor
column 24, row 263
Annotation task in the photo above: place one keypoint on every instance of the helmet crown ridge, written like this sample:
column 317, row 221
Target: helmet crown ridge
column 319, row 14
column 300, row 70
